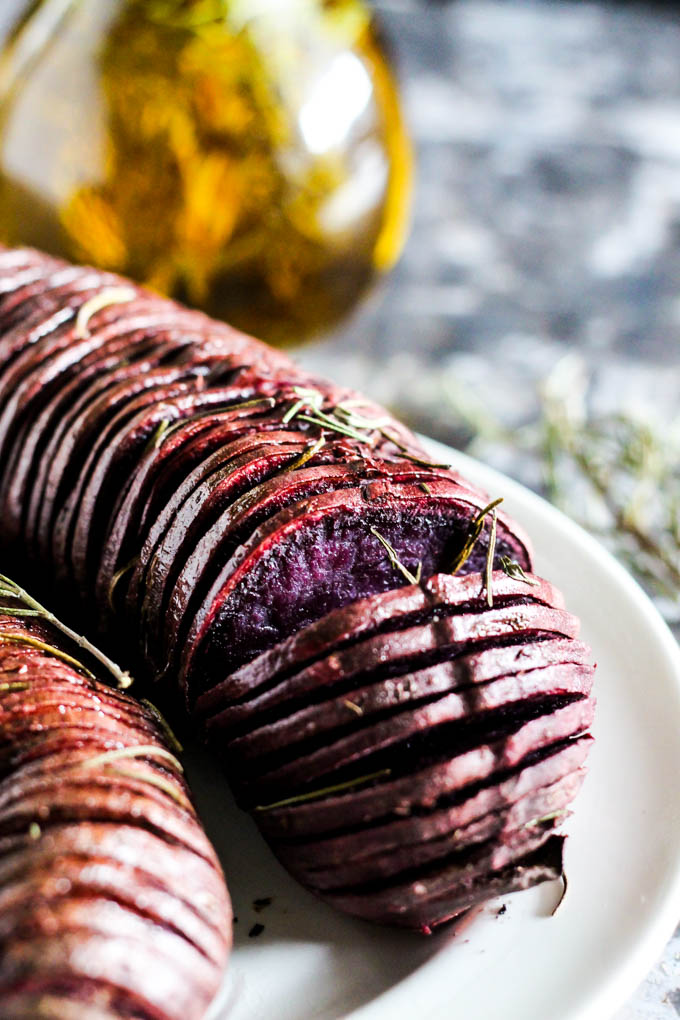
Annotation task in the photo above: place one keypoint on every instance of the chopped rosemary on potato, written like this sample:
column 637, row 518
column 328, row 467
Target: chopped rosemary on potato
column 138, row 751
column 302, row 798
column 490, row 550
column 396, row 562
column 310, row 452
column 24, row 639
column 105, row 298
column 153, row 780
column 118, row 576
column 474, row 531
column 516, row 571
column 164, row 725
column 29, row 606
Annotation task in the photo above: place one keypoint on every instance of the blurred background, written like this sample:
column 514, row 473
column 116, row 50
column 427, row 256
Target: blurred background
column 515, row 295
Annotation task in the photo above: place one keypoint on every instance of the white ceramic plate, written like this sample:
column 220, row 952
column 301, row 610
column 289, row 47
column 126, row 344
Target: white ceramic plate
column 622, row 860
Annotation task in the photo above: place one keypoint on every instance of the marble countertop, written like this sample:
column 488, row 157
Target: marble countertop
column 546, row 221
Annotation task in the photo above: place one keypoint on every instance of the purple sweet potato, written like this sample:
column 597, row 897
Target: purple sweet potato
column 80, row 823
column 425, row 903
column 456, row 811
column 423, row 788
column 409, row 730
column 24, row 475
column 391, row 610
column 331, row 539
column 423, row 632
column 506, row 826
column 334, row 467
column 156, row 479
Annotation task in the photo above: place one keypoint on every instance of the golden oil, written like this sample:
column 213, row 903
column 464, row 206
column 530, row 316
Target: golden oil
column 248, row 157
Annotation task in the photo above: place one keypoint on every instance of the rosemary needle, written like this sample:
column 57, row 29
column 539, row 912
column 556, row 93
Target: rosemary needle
column 9, row 589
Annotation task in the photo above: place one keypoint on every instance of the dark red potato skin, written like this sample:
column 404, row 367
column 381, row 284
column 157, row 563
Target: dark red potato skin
column 408, row 730
column 112, row 901
column 411, row 755
column 67, row 502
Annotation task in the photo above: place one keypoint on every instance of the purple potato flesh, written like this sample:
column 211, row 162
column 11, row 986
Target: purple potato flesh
column 320, row 554
column 388, row 610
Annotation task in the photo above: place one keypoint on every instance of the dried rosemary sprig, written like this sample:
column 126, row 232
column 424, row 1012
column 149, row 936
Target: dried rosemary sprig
column 302, row 798
column 110, row 759
column 310, row 401
column 491, row 549
column 164, row 725
column 474, row 531
column 545, row 818
column 407, row 453
column 105, row 298
column 118, row 576
column 138, row 751
column 396, row 562
column 310, row 452
column 309, row 398
column 30, row 607
column 353, row 707
column 515, row 570
column 615, row 472
column 153, row 780
column 158, row 435
column 25, row 639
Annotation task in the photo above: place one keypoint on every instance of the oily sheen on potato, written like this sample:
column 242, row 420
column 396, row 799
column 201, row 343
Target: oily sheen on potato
column 400, row 702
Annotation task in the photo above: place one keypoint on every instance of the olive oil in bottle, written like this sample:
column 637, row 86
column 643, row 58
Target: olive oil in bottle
column 245, row 156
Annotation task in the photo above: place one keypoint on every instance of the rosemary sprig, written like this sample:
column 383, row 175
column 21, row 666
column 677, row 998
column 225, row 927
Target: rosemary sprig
column 105, row 298
column 312, row 399
column 164, row 725
column 302, row 798
column 310, row 452
column 346, row 411
column 490, row 550
column 118, row 576
column 153, row 780
column 138, row 751
column 615, row 472
column 515, row 570
column 8, row 589
column 396, row 562
column 407, row 453
column 311, row 402
column 24, row 639
column 266, row 402
column 474, row 531
column 353, row 707
column 327, row 421
column 158, row 435
column 545, row 818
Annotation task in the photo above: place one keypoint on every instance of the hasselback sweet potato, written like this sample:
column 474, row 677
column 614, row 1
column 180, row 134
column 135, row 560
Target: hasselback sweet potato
column 411, row 754
column 112, row 901
column 402, row 704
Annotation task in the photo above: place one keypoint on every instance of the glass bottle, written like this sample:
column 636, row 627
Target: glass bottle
column 245, row 156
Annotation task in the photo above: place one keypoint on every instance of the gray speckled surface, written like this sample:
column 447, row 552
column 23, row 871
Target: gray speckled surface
column 546, row 219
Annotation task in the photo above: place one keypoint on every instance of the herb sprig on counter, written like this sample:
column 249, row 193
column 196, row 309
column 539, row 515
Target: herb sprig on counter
column 616, row 472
